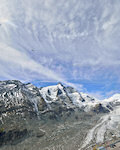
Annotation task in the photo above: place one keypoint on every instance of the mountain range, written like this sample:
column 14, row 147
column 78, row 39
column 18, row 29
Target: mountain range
column 54, row 117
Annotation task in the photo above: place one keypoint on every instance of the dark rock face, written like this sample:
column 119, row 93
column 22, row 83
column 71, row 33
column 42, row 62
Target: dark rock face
column 70, row 89
column 100, row 109
column 12, row 136
column 109, row 107
column 42, row 105
column 59, row 92
column 49, row 93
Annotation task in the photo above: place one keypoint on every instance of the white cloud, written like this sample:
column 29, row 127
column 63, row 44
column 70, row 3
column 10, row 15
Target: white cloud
column 76, row 39
column 14, row 60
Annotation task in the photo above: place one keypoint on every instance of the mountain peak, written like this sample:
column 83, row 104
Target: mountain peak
column 117, row 95
column 59, row 83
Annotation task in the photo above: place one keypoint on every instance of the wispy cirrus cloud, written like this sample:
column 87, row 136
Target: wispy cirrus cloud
column 74, row 39
column 16, row 64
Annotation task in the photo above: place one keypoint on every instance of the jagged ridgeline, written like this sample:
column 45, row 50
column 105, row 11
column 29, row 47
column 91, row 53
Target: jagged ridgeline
column 54, row 117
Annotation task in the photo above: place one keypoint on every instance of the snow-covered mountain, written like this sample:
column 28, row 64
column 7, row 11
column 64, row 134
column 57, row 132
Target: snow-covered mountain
column 26, row 98
column 108, row 126
column 16, row 94
column 80, row 100
column 59, row 103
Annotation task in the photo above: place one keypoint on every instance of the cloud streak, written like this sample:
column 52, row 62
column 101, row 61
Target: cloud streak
column 74, row 39
column 18, row 61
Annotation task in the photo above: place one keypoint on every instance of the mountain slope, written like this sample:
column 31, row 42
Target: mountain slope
column 108, row 126
column 74, row 120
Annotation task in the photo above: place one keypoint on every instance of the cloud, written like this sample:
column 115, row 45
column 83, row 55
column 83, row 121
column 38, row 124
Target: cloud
column 74, row 39
column 18, row 61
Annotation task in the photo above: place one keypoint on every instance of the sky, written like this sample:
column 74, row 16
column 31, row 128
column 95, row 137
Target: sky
column 75, row 42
